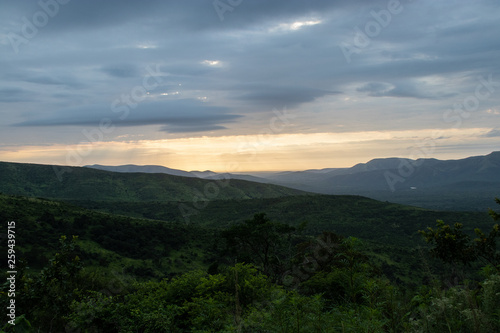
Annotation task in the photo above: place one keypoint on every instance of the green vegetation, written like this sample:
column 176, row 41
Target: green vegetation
column 133, row 275
column 310, row 263
column 361, row 217
column 341, row 292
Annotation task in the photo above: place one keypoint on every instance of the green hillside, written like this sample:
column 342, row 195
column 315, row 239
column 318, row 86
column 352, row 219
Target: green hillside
column 132, row 232
column 388, row 231
column 114, row 271
column 136, row 247
column 357, row 216
column 78, row 183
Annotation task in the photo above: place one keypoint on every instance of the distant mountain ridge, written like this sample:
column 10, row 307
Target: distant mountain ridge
column 175, row 172
column 143, row 169
column 431, row 183
column 469, row 183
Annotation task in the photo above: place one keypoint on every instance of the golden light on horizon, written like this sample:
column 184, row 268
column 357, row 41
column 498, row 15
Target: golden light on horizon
column 244, row 153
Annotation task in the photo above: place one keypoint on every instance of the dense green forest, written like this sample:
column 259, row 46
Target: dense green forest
column 290, row 264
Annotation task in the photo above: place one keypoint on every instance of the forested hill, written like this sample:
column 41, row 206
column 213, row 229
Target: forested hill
column 77, row 183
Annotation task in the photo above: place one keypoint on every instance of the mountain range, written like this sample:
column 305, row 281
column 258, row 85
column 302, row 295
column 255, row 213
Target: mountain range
column 464, row 184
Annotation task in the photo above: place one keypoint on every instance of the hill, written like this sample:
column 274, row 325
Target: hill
column 369, row 219
column 78, row 183
column 464, row 184
column 152, row 239
column 125, row 260
column 131, row 246
column 175, row 172
column 142, row 168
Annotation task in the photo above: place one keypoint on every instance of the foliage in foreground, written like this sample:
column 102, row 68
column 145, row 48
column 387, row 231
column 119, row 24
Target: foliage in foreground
column 333, row 289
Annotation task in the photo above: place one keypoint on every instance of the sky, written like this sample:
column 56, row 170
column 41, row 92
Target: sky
column 247, row 85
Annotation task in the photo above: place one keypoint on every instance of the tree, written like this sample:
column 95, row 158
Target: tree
column 452, row 245
column 495, row 215
column 262, row 242
column 54, row 288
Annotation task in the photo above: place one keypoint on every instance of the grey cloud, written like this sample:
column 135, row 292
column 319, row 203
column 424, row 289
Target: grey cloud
column 194, row 128
column 183, row 115
column 121, row 70
column 402, row 90
column 411, row 91
column 94, row 14
column 390, row 70
column 41, row 76
column 376, row 88
column 193, row 15
column 49, row 80
column 492, row 134
column 44, row 80
column 279, row 96
column 12, row 95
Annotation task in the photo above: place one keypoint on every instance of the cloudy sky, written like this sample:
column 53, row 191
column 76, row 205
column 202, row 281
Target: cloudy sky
column 247, row 85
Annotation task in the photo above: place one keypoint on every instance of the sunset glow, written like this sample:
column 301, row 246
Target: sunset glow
column 252, row 152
